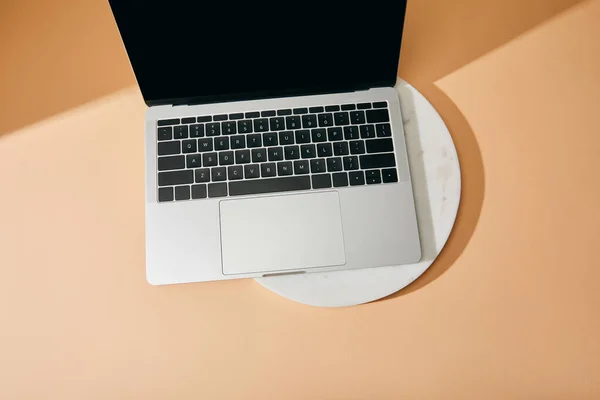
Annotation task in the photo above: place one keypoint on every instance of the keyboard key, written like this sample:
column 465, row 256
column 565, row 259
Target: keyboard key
column 357, row 178
column 182, row 192
column 286, row 111
column 284, row 168
column 235, row 172
column 293, row 122
column 218, row 174
column 357, row 117
column 367, row 131
column 379, row 146
column 309, row 121
column 194, row 160
column 292, row 152
column 380, row 104
column 335, row 134
column 363, row 106
column 259, row 155
column 175, row 178
column 238, row 142
column 341, row 149
column 298, row 111
column 321, row 181
column 229, row 128
column 348, row 107
column 286, row 137
column 308, row 151
column 377, row 161
column 213, row 129
column 277, row 123
column 334, row 164
column 169, row 163
column 325, row 120
column 217, row 190
column 340, row 179
column 242, row 156
column 270, row 139
column 351, row 163
column 268, row 113
column 206, row 118
column 373, row 177
column 324, row 150
column 165, row 133
column 375, row 116
column 318, row 165
column 357, row 147
column 205, row 145
column 198, row 191
column 222, row 143
column 261, row 125
column 332, row 108
column 275, row 153
column 226, row 158
column 180, row 132
column 236, row 116
column 165, row 194
column 383, row 130
column 251, row 171
column 319, row 135
column 268, row 170
column 253, row 114
column 210, row 159
column 165, row 122
column 302, row 136
column 221, row 117
column 301, row 167
column 196, row 130
column 341, row 118
column 254, row 140
column 189, row 146
column 188, row 120
column 351, row 132
column 168, row 148
column 245, row 126
column 202, row 175
column 271, row 185
column 389, row 175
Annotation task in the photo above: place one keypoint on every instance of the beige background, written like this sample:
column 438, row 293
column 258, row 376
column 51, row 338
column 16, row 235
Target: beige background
column 511, row 309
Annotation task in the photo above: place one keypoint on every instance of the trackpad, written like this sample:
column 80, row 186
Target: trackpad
column 281, row 233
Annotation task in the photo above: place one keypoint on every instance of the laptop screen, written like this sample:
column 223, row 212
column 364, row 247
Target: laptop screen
column 197, row 51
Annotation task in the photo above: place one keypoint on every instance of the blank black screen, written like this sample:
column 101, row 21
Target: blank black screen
column 219, row 50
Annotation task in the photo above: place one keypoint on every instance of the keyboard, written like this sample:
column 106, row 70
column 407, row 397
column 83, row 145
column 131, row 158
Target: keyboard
column 275, row 151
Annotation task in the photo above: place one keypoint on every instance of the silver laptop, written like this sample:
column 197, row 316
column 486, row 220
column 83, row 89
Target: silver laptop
column 274, row 139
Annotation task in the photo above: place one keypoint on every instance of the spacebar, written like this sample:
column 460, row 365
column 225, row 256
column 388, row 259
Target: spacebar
column 273, row 185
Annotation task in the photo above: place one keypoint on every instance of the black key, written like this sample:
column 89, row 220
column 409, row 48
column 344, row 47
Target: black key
column 221, row 143
column 381, row 115
column 210, row 159
column 188, row 120
column 261, row 125
column 332, row 108
column 286, row 111
column 357, row 178
column 180, row 132
column 259, row 155
column 251, row 171
column 380, row 104
column 182, row 192
column 272, row 185
column 253, row 114
column 235, row 172
column 341, row 149
column 238, row 142
column 270, row 139
column 325, row 120
column 221, row 117
column 363, row 106
column 292, row 152
column 348, row 107
column 299, row 111
column 167, row 148
column 194, row 160
column 357, row 147
column 226, row 158
column 286, row 137
column 268, row 170
column 334, row 164
column 217, row 190
column 292, row 122
column 165, row 133
column 309, row 121
column 351, row 163
column 321, row 181
column 351, row 132
column 229, row 128
column 275, row 154
column 319, row 135
column 196, row 130
column 301, row 167
column 303, row 136
column 236, row 116
column 373, row 176
column 335, row 134
column 169, row 163
column 318, row 165
column 245, row 126
column 202, row 175
column 367, row 131
column 198, row 191
column 277, row 123
column 316, row 109
column 340, row 179
column 189, row 146
column 308, row 151
column 379, row 146
column 254, row 140
column 377, row 161
column 205, row 145
column 389, row 175
column 165, row 194
column 341, row 118
column 165, row 122
column 213, row 129
column 284, row 168
column 242, row 156
column 206, row 118
column 357, row 117
column 268, row 113
column 218, row 174
column 324, row 150
column 383, row 130
column 175, row 178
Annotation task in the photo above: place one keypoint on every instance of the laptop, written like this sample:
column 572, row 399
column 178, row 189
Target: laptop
column 273, row 139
